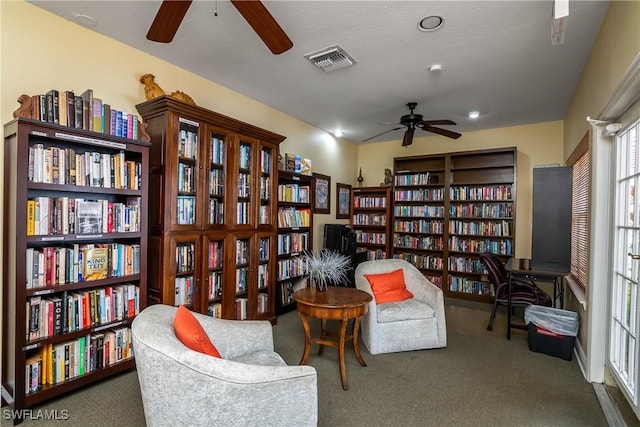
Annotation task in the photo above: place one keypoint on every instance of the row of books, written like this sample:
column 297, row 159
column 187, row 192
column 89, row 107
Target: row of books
column 500, row 247
column 66, row 166
column 84, row 112
column 466, row 265
column 420, row 195
column 482, row 210
column 244, row 185
column 242, row 276
column 263, row 303
column 244, row 156
column 216, row 253
column 242, row 308
column 265, row 161
column 216, row 211
column 263, row 276
column 186, row 178
column 433, row 243
column 292, row 217
column 68, row 215
column 186, row 210
column 412, row 179
column 74, row 311
column 263, row 249
column 487, row 192
column 217, row 149
column 184, row 286
column 265, row 187
column 484, row 228
column 288, row 268
column 419, row 211
column 369, row 202
column 293, row 243
column 374, row 253
column 215, row 285
column 468, row 286
column 216, row 182
column 188, row 144
column 370, row 219
column 185, row 257
column 431, row 262
column 371, row 238
column 419, row 226
column 50, row 266
column 293, row 193
column 243, row 212
column 57, row 363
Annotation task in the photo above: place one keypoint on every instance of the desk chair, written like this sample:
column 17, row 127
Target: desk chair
column 523, row 292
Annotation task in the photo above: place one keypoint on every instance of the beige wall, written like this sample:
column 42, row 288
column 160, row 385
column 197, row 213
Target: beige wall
column 33, row 61
column 616, row 47
column 537, row 144
column 613, row 52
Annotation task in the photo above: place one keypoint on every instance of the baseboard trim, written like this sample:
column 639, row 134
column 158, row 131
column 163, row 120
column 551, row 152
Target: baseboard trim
column 611, row 413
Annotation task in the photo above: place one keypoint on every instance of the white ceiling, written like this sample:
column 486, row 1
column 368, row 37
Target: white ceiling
column 496, row 57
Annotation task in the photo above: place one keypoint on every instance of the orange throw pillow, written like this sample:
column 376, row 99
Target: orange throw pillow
column 190, row 332
column 389, row 287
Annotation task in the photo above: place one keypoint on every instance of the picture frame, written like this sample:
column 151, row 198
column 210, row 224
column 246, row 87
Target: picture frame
column 321, row 185
column 343, row 201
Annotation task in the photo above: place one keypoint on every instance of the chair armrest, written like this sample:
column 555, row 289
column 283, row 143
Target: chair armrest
column 234, row 338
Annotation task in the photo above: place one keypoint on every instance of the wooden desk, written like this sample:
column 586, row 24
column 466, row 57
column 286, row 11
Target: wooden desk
column 336, row 303
column 520, row 268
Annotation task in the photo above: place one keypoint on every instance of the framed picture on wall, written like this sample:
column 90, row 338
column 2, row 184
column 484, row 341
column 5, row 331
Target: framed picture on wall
column 343, row 199
column 321, row 193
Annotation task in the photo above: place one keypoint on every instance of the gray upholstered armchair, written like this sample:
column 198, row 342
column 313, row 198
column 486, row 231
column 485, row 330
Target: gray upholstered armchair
column 413, row 324
column 250, row 385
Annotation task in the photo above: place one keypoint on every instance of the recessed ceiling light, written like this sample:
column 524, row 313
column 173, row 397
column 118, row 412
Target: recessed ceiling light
column 435, row 67
column 474, row 114
column 430, row 23
column 338, row 133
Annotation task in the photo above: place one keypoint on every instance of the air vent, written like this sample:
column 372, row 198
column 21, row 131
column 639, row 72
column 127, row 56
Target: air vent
column 330, row 58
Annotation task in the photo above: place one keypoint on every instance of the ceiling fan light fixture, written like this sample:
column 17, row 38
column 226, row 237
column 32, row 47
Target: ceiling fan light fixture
column 431, row 23
column 474, row 114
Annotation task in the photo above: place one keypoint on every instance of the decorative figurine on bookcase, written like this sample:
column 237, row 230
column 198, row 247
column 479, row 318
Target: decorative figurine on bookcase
column 388, row 178
column 26, row 107
column 153, row 90
column 360, row 178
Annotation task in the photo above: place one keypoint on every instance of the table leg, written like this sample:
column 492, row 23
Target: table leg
column 323, row 335
column 509, row 307
column 356, row 346
column 343, row 370
column 307, row 338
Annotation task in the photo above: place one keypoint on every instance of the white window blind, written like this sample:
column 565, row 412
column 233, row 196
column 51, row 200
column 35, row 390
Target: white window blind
column 580, row 161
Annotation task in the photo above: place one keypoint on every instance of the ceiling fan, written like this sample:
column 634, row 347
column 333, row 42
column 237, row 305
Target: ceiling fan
column 172, row 12
column 413, row 121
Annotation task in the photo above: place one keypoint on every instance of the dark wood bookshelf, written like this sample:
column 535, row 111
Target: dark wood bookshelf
column 448, row 208
column 371, row 221
column 287, row 283
column 22, row 137
column 213, row 186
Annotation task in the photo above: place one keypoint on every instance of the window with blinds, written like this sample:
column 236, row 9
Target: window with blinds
column 580, row 160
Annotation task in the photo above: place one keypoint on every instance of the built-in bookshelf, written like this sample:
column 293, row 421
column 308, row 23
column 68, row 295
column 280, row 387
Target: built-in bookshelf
column 371, row 220
column 294, row 235
column 75, row 250
column 212, row 211
column 449, row 208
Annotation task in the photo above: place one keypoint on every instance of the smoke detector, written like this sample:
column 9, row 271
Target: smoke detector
column 330, row 58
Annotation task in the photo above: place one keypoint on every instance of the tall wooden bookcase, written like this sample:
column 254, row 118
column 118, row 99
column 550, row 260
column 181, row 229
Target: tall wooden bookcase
column 295, row 227
column 74, row 257
column 449, row 208
column 212, row 210
column 371, row 220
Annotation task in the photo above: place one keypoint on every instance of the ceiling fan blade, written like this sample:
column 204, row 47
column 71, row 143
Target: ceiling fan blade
column 264, row 24
column 437, row 122
column 167, row 20
column 443, row 132
column 408, row 137
column 380, row 134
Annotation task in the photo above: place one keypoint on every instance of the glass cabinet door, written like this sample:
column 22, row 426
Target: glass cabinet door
column 187, row 172
column 266, row 182
column 265, row 246
column 186, row 267
column 245, row 173
column 242, row 267
column 216, row 178
column 215, row 261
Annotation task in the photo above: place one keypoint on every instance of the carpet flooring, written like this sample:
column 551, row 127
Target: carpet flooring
column 479, row 379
